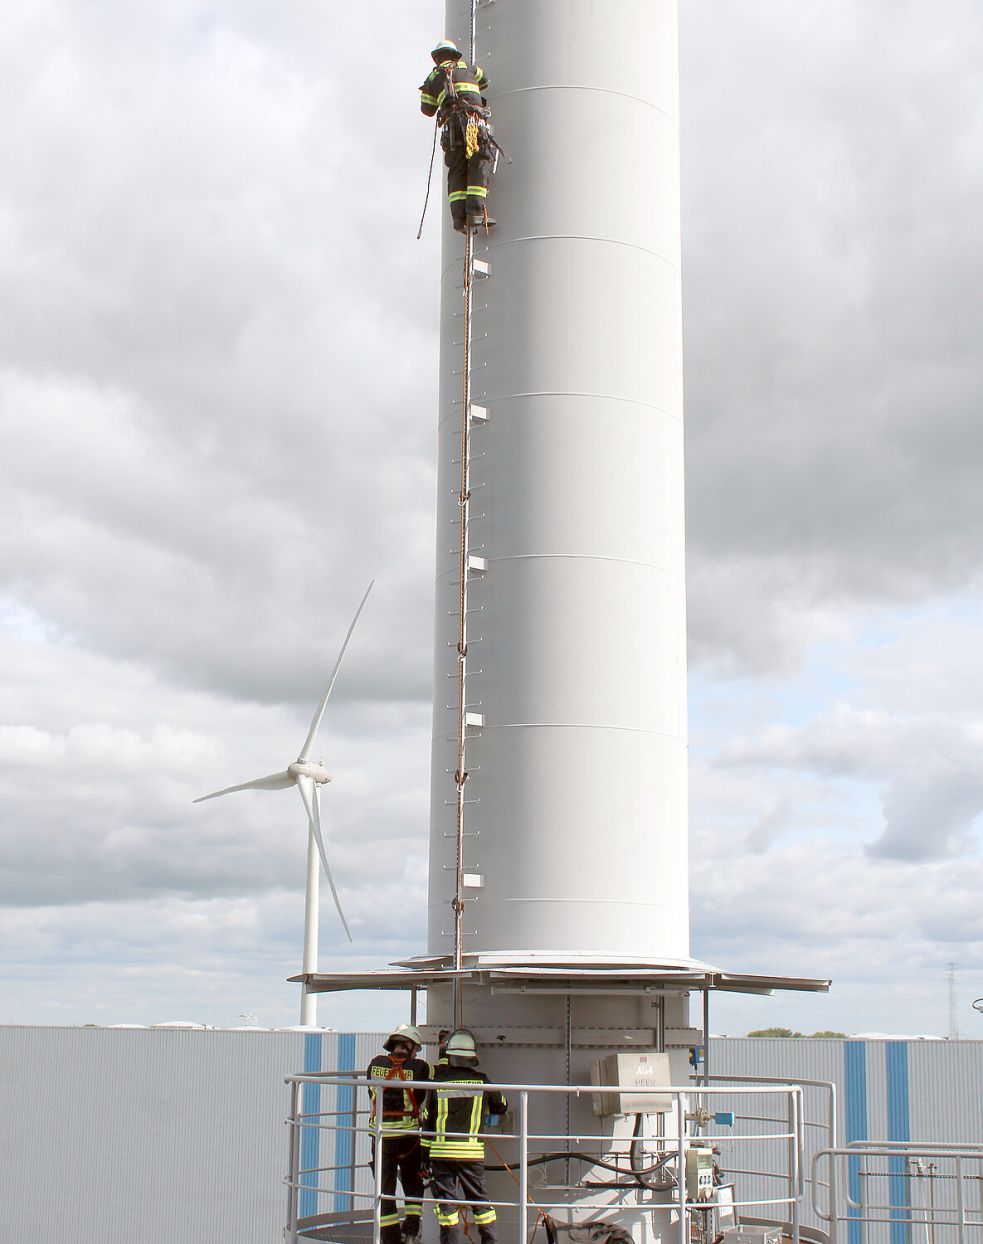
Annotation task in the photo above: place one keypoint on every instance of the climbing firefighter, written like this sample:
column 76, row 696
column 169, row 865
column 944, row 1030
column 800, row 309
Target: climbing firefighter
column 394, row 1123
column 453, row 1114
column 453, row 90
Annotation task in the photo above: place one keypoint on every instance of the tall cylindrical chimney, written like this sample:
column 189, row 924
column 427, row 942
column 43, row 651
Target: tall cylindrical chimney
column 575, row 820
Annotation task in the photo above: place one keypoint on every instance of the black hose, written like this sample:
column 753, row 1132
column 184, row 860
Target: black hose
column 544, row 1158
column 643, row 1174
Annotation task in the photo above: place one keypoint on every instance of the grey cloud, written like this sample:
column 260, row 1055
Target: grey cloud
column 197, row 346
column 931, row 809
column 928, row 769
column 832, row 281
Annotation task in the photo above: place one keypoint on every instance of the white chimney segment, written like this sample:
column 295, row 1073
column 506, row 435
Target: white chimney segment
column 576, row 790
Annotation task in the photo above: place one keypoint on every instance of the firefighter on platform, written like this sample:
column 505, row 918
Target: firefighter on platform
column 394, row 1124
column 453, row 1114
column 453, row 90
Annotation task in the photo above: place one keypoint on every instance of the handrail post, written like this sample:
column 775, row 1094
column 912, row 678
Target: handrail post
column 683, row 1228
column 794, row 1187
column 377, row 1172
column 834, row 1195
column 864, row 1235
column 523, row 1164
column 293, row 1163
column 960, row 1193
column 352, row 1146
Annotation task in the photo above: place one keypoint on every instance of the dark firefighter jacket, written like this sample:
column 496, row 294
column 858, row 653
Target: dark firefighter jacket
column 458, row 1103
column 400, row 1107
column 468, row 85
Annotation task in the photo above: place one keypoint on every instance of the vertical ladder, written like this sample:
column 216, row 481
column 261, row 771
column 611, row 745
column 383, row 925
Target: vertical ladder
column 464, row 718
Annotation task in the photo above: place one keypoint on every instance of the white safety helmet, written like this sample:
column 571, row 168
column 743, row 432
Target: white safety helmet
column 446, row 49
column 460, row 1044
column 403, row 1032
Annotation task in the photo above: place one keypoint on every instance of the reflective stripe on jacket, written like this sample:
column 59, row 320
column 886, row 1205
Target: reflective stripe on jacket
column 468, row 85
column 458, row 1104
column 400, row 1107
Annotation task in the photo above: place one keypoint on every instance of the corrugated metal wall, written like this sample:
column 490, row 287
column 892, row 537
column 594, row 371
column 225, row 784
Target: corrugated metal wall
column 162, row 1136
column 112, row 1136
column 929, row 1091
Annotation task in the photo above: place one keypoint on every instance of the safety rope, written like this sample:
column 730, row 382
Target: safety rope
column 471, row 136
column 541, row 1215
column 464, row 498
column 426, row 201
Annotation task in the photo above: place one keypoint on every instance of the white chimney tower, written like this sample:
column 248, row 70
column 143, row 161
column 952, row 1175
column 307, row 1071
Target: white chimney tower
column 575, row 813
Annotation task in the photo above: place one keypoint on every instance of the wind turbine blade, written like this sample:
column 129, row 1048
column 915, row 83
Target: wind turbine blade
column 312, row 802
column 308, row 747
column 275, row 781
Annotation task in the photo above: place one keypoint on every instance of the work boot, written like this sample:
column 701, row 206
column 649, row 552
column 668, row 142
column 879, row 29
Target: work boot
column 459, row 226
column 481, row 222
column 411, row 1230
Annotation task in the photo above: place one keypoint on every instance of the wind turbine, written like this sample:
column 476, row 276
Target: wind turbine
column 308, row 777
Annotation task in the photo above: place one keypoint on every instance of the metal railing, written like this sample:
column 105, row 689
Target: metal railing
column 910, row 1192
column 357, row 1200
column 819, row 1131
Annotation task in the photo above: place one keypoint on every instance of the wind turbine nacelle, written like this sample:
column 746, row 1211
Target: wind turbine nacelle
column 304, row 768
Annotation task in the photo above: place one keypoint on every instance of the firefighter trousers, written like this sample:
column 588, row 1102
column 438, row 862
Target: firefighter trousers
column 401, row 1155
column 467, row 180
column 461, row 1181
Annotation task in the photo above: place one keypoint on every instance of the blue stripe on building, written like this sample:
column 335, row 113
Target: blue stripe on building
column 855, row 1111
column 344, row 1144
column 898, row 1128
column 310, row 1137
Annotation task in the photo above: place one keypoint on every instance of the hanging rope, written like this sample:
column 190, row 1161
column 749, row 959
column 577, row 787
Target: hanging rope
column 541, row 1214
column 433, row 152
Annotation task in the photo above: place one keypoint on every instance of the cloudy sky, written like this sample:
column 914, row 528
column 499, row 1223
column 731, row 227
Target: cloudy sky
column 217, row 392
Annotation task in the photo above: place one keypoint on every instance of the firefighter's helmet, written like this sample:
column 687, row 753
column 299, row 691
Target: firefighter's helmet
column 460, row 1044
column 446, row 49
column 403, row 1032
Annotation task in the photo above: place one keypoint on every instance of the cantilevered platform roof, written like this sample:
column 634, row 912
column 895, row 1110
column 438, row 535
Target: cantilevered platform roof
column 529, row 975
